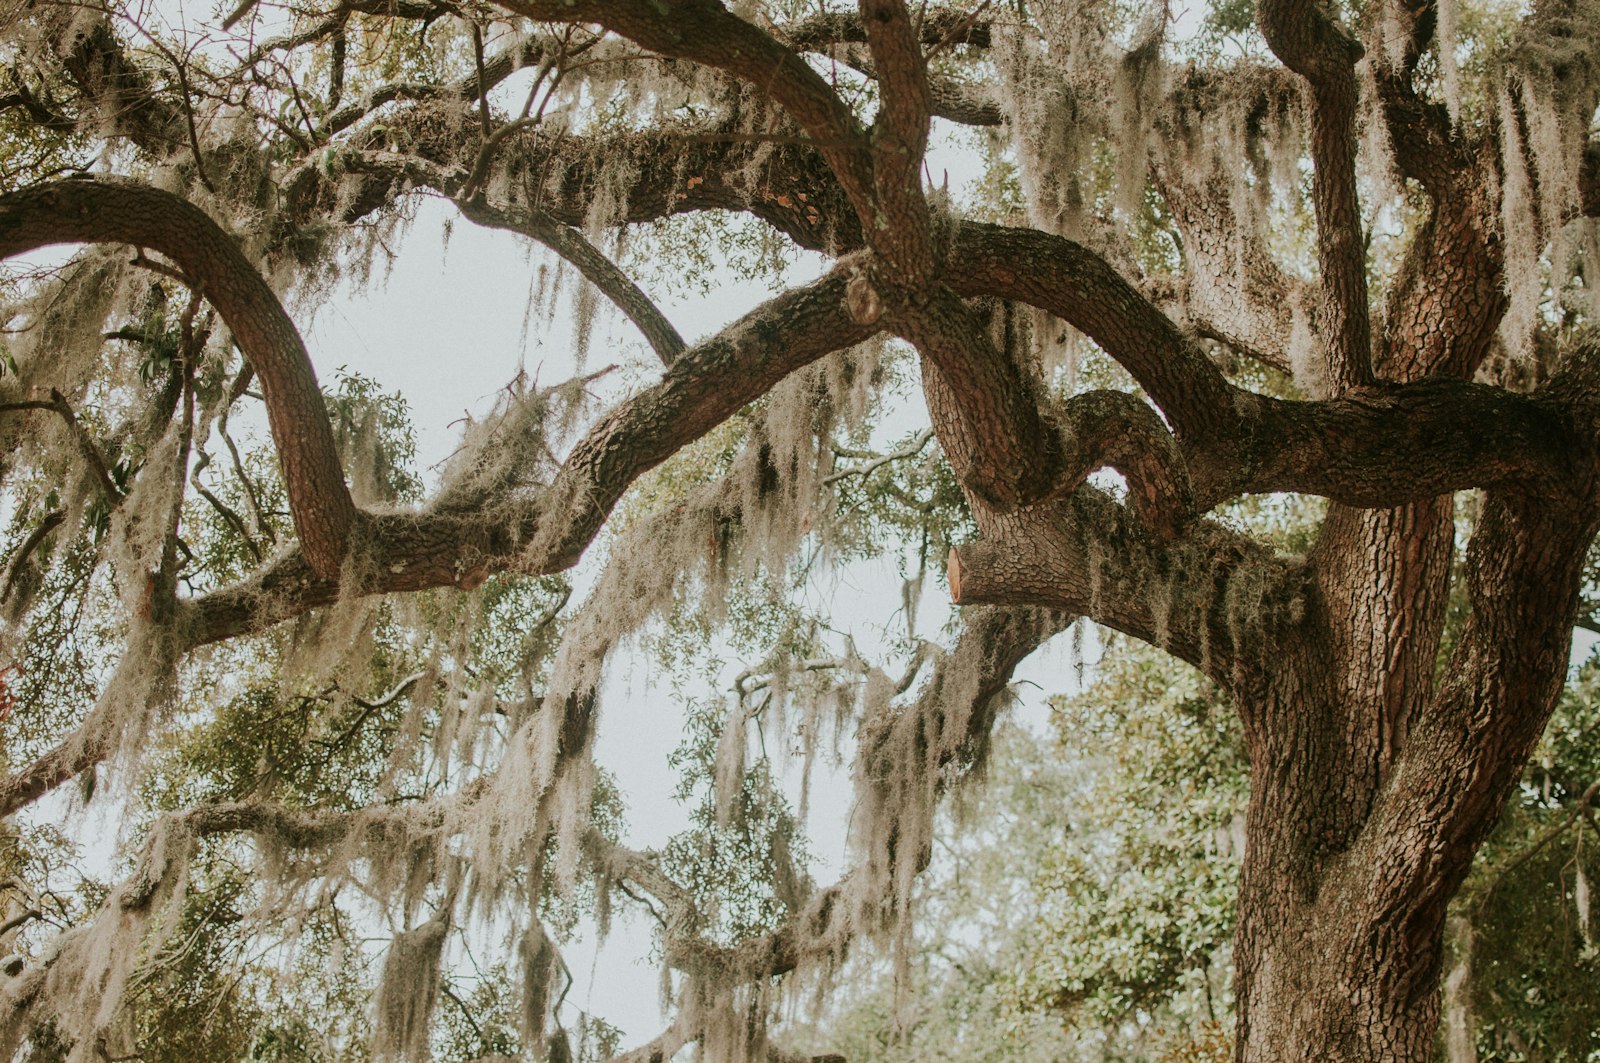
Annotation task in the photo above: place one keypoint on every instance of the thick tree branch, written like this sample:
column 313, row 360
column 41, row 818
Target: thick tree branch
column 1449, row 297
column 711, row 167
column 1383, row 446
column 1391, row 444
column 1078, row 286
column 985, row 405
column 1208, row 597
column 1115, row 430
column 706, row 32
column 452, row 543
column 899, row 227
column 1473, row 739
column 101, row 210
column 1307, row 40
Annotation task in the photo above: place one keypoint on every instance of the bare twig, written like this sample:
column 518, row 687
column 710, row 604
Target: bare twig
column 58, row 404
column 369, row 707
column 1583, row 808
column 223, row 509
column 910, row 450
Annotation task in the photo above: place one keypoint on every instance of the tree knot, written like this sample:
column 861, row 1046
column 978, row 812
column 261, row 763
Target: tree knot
column 862, row 300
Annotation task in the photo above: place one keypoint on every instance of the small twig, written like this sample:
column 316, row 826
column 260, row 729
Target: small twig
column 223, row 509
column 165, row 270
column 466, row 1012
column 533, row 89
column 263, row 529
column 181, row 67
column 86, row 445
column 38, row 110
column 369, row 707
column 910, row 450
column 299, row 100
column 389, row 699
column 1582, row 808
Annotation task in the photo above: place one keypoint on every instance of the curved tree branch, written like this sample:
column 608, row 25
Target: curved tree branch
column 101, row 210
column 1208, row 598
column 565, row 240
column 706, row 32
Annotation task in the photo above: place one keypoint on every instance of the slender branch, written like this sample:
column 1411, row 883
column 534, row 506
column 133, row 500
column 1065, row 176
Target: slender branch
column 370, row 707
column 461, row 1006
column 910, row 450
column 599, row 270
column 707, row 32
column 1582, row 807
column 661, row 1048
column 225, row 511
column 50, row 523
column 87, row 447
column 240, row 10
column 143, row 261
column 262, row 527
column 565, row 240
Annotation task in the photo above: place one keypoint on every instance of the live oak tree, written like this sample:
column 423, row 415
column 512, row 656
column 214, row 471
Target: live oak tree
column 1379, row 210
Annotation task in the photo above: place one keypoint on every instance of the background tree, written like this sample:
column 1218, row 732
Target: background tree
column 1442, row 147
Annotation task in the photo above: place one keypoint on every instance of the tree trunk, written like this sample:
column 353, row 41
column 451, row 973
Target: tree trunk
column 1374, row 780
column 1324, row 971
column 1311, row 986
